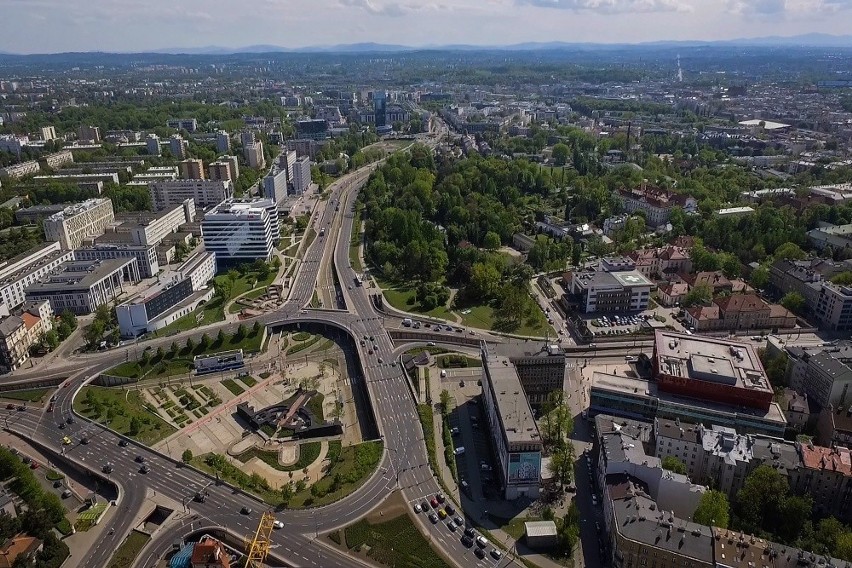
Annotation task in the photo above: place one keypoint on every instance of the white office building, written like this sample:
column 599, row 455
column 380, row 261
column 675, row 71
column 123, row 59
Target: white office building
column 203, row 192
column 145, row 255
column 82, row 286
column 241, row 231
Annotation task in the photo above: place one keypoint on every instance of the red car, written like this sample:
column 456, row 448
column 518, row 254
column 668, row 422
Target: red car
column 33, row 465
column 434, row 503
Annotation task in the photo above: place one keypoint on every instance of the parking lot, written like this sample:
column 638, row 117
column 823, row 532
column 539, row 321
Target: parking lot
column 618, row 324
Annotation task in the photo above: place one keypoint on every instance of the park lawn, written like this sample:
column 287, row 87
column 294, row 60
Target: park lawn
column 347, row 467
column 128, row 551
column 309, row 237
column 515, row 526
column 355, row 245
column 308, row 454
column 125, row 406
column 248, row 287
column 482, row 317
column 402, row 298
column 28, row 395
column 396, row 542
column 205, row 314
column 233, row 387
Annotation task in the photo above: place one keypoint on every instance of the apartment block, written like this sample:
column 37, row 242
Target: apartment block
column 204, row 193
column 740, row 312
column 219, row 171
column 541, row 369
column 192, row 168
column 77, row 222
column 178, row 147
column 656, row 202
column 17, row 171
column 223, row 142
column 275, row 185
column 822, row 373
column 89, row 134
column 301, row 175
column 145, row 255
column 59, row 159
column 152, row 145
column 188, row 124
column 254, row 155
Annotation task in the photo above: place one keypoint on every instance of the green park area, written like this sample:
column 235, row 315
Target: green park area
column 395, row 542
column 28, row 395
column 178, row 359
column 123, row 411
column 349, row 467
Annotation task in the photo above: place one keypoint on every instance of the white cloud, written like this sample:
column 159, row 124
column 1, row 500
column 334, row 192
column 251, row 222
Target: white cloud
column 393, row 9
column 612, row 6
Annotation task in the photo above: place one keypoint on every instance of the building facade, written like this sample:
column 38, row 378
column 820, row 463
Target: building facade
column 25, row 269
column 145, row 255
column 192, row 168
column 82, row 286
column 204, row 193
column 241, row 231
column 77, row 222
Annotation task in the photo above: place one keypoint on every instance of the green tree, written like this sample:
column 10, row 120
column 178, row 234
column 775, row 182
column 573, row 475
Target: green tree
column 186, row 457
column 760, row 277
column 287, row 493
column 560, row 154
column 671, row 463
column 445, row 401
column 204, row 344
column 484, row 281
column 220, row 337
column 757, row 504
column 224, row 288
column 843, row 279
column 713, row 509
column 789, row 251
column 94, row 333
column 255, row 329
column 135, row 426
column 794, row 302
column 241, row 331
column 491, row 241
column 700, row 295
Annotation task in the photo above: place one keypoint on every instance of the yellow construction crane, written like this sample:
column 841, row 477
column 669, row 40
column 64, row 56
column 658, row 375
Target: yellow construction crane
column 257, row 547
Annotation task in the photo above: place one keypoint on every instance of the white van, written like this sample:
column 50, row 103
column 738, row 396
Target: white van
column 459, row 451
column 443, row 374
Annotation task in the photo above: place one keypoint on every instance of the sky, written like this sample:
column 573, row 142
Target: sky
column 49, row 26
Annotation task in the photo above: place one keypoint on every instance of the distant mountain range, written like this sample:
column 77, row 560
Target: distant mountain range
column 804, row 40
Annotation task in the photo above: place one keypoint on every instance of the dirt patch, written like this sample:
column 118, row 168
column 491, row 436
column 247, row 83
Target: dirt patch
column 393, row 506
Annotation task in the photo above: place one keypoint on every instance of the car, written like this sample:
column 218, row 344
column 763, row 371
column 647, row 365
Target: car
column 62, row 425
column 107, row 468
column 26, row 459
column 484, row 467
column 442, row 513
column 84, row 441
column 34, row 465
column 434, row 503
column 496, row 554
column 459, row 520
column 481, row 541
column 122, row 443
column 595, row 500
column 417, row 508
column 434, row 518
column 199, row 497
column 430, row 344
column 70, row 420
column 66, row 441
column 144, row 469
column 479, row 553
column 66, row 494
column 278, row 525
column 454, row 431
column 372, row 338
column 631, row 358
column 450, row 509
column 469, row 532
column 451, row 526
column 440, row 497
column 467, row 541
column 22, row 408
column 50, row 407
column 380, row 360
column 245, row 511
column 424, row 506
column 11, row 405
column 459, row 451
column 363, row 343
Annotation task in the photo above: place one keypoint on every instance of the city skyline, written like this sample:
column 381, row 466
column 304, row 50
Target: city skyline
column 50, row 26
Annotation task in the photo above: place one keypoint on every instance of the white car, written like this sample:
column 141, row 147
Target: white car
column 278, row 525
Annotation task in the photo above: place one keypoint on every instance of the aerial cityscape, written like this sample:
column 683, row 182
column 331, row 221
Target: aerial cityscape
column 372, row 283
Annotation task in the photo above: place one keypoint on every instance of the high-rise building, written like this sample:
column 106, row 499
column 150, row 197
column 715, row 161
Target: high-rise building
column 193, row 168
column 241, row 231
column 223, row 142
column 301, row 175
column 48, row 133
column 219, row 171
column 275, row 185
column 203, row 192
column 178, row 147
column 76, row 222
column 254, row 155
column 234, row 165
column 380, row 103
column 247, row 137
column 152, row 144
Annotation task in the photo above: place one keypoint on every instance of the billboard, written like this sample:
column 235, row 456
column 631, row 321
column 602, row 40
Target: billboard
column 524, row 467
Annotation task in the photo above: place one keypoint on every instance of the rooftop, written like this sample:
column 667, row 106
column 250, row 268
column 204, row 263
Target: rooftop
column 78, row 275
column 77, row 209
column 710, row 359
column 512, row 404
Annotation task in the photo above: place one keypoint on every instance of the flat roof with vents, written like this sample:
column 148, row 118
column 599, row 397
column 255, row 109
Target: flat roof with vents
column 512, row 404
